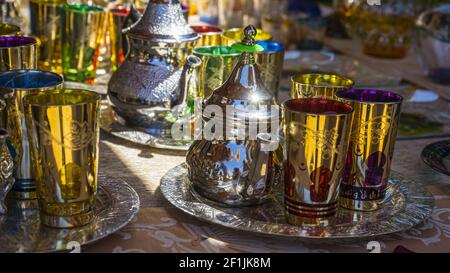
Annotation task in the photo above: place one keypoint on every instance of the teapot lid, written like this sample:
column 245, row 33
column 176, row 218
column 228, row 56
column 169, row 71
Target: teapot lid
column 244, row 88
column 436, row 21
column 163, row 21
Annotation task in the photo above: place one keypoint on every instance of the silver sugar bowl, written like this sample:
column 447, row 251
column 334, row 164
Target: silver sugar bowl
column 235, row 171
column 152, row 79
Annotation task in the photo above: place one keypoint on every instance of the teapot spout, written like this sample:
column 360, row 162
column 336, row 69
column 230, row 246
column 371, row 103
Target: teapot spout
column 188, row 79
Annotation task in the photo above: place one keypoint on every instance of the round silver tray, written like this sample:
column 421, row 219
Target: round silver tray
column 109, row 124
column 437, row 156
column 21, row 231
column 409, row 204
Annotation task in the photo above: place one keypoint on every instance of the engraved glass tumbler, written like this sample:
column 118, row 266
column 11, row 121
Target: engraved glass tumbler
column 64, row 135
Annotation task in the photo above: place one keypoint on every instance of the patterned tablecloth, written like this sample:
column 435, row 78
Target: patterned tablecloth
column 160, row 227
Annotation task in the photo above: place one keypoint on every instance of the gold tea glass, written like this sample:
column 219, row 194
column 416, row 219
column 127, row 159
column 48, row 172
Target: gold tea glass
column 14, row 86
column 270, row 64
column 18, row 52
column 45, row 17
column 82, row 32
column 235, row 35
column 120, row 18
column 64, row 134
column 216, row 67
column 9, row 30
column 316, row 139
column 372, row 140
column 318, row 85
column 117, row 41
column 210, row 35
column 385, row 29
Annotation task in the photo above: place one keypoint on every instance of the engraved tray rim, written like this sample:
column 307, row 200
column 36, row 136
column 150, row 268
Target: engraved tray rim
column 418, row 206
column 138, row 137
column 430, row 154
column 120, row 207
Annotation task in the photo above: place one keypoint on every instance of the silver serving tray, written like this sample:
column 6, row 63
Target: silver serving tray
column 21, row 231
column 109, row 124
column 407, row 205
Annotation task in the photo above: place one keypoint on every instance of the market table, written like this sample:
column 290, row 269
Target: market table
column 160, row 227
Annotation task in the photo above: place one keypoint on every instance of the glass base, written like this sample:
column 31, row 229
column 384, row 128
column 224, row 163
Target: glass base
column 67, row 221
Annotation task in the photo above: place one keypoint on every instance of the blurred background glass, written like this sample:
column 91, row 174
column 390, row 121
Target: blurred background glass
column 385, row 30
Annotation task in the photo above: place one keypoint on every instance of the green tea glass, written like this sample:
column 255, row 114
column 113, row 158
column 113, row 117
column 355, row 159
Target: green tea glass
column 82, row 31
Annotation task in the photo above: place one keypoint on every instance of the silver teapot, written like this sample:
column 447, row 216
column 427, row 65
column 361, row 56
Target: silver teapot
column 152, row 79
column 237, row 171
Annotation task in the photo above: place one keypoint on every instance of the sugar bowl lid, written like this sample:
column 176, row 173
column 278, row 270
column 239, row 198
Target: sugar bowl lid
column 436, row 22
column 244, row 88
column 163, row 21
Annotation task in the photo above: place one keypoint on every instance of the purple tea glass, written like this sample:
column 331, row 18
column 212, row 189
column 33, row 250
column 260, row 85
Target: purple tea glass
column 372, row 138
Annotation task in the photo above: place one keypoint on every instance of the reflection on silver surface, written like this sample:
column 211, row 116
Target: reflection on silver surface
column 110, row 124
column 116, row 205
column 408, row 204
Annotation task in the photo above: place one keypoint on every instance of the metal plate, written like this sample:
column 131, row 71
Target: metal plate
column 109, row 124
column 409, row 204
column 437, row 156
column 21, row 231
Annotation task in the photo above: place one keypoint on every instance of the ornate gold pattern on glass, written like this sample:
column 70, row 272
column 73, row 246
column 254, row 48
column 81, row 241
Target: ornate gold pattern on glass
column 45, row 25
column 83, row 30
column 372, row 139
column 316, row 138
column 14, row 86
column 17, row 52
column 64, row 134
column 318, row 85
